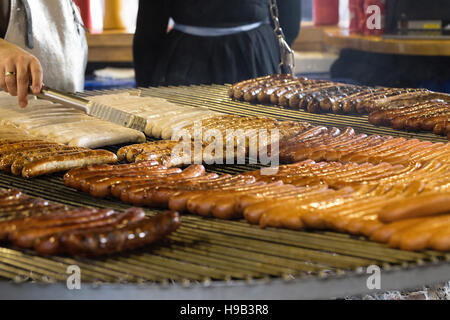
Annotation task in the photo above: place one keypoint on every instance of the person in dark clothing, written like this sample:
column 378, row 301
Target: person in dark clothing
column 213, row 41
column 393, row 70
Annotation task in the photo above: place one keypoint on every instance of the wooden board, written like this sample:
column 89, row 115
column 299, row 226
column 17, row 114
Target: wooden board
column 110, row 46
column 341, row 38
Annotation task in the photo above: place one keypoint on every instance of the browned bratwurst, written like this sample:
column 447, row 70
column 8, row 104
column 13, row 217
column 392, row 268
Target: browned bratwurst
column 240, row 91
column 73, row 177
column 48, row 241
column 67, row 162
column 251, row 95
column 114, row 239
column 239, row 85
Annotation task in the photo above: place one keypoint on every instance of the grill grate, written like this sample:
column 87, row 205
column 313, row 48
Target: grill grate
column 215, row 98
column 207, row 249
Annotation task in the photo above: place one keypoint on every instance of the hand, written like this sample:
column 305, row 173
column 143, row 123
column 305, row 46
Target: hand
column 24, row 68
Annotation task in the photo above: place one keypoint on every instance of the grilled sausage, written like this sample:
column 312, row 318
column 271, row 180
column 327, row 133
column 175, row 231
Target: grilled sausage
column 400, row 122
column 131, row 192
column 370, row 105
column 240, row 91
column 264, row 95
column 440, row 240
column 101, row 187
column 154, row 195
column 442, row 128
column 24, row 203
column 26, row 238
column 383, row 117
column 398, row 99
column 76, row 174
column 67, row 162
column 12, row 146
column 50, row 244
column 418, row 236
column 347, row 104
column 419, row 206
column 8, row 195
column 9, row 226
column 129, row 237
column 251, row 95
column 19, row 162
column 83, row 182
column 205, row 203
column 239, row 85
column 429, row 122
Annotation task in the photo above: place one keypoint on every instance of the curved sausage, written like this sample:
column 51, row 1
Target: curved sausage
column 50, row 243
column 440, row 240
column 420, row 206
column 19, row 162
column 132, row 236
column 251, row 95
column 74, row 175
column 264, row 95
column 238, row 85
column 27, row 238
column 67, row 162
column 417, row 237
column 8, row 228
column 429, row 123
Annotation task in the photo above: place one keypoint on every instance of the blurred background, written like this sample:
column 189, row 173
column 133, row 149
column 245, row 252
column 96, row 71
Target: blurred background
column 410, row 49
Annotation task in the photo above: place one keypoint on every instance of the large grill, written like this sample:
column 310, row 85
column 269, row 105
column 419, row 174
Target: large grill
column 230, row 258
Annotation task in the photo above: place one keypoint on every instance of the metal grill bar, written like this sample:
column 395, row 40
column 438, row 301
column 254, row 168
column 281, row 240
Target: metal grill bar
column 207, row 249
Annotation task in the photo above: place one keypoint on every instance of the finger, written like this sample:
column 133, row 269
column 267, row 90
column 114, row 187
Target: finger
column 10, row 80
column 2, row 79
column 23, row 79
column 36, row 76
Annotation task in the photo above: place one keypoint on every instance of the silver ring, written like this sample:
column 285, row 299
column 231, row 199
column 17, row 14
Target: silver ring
column 10, row 74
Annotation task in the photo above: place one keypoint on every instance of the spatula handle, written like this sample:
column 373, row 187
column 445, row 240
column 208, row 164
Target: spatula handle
column 64, row 99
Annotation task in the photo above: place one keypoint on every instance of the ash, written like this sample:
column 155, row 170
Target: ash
column 435, row 292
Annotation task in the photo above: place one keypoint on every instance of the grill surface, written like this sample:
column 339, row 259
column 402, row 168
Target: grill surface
column 215, row 98
column 206, row 250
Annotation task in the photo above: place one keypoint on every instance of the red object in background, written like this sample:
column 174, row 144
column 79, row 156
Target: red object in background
column 357, row 16
column 326, row 12
column 85, row 10
column 382, row 5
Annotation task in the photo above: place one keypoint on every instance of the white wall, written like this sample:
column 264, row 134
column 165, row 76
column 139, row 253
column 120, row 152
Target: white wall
column 129, row 14
column 344, row 15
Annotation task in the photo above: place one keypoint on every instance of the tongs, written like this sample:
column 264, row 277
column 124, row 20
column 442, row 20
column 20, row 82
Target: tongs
column 93, row 108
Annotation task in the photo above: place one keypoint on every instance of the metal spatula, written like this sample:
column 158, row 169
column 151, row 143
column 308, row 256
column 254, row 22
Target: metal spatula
column 91, row 108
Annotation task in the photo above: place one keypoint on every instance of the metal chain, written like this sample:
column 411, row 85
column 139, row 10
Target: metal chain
column 287, row 54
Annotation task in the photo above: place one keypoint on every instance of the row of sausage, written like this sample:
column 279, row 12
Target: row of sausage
column 333, row 144
column 317, row 143
column 51, row 228
column 355, row 198
column 22, row 154
column 432, row 116
column 410, row 109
